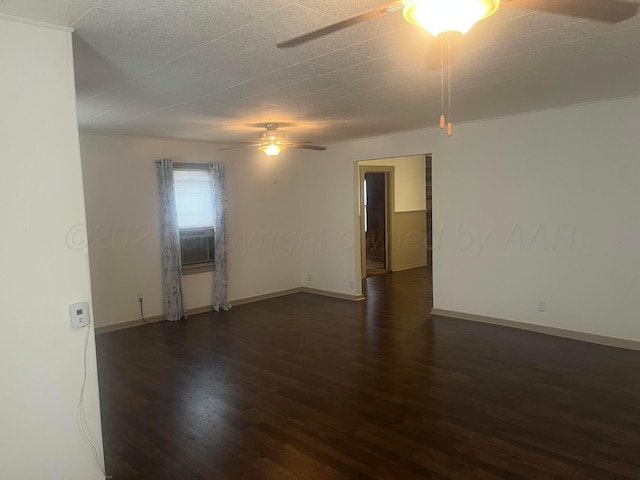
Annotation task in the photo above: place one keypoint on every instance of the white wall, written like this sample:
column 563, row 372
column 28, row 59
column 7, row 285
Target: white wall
column 328, row 195
column 536, row 207
column 123, row 223
column 410, row 181
column 565, row 175
column 41, row 189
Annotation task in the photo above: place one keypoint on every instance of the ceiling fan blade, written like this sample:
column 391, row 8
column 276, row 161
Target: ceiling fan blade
column 363, row 17
column 610, row 11
column 240, row 145
column 308, row 147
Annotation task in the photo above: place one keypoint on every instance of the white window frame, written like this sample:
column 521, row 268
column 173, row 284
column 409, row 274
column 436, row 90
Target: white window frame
column 193, row 268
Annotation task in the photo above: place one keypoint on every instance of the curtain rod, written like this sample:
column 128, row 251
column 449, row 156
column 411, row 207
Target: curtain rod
column 189, row 166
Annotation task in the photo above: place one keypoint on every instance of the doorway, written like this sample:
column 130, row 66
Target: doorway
column 375, row 187
column 429, row 211
column 401, row 187
column 375, row 223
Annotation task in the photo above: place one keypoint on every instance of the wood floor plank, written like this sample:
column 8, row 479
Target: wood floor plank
column 308, row 387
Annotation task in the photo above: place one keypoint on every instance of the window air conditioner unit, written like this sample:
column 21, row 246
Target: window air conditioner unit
column 196, row 245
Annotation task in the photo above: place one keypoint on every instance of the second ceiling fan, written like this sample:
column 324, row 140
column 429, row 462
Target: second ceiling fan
column 272, row 141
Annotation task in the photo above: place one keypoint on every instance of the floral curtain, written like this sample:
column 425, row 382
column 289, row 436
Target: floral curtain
column 219, row 194
column 172, row 299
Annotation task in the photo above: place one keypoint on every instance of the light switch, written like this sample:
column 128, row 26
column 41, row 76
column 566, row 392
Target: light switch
column 79, row 314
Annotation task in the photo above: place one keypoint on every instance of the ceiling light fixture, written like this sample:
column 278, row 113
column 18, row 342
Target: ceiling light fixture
column 272, row 141
column 272, row 149
column 442, row 17
column 447, row 19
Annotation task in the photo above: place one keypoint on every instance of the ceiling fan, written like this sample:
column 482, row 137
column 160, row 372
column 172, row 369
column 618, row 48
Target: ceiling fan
column 443, row 18
column 450, row 19
column 272, row 141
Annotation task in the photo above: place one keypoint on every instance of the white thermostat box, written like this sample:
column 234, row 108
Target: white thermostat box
column 79, row 314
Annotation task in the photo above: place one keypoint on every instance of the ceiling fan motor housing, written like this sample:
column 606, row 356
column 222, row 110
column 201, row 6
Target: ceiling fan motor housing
column 271, row 136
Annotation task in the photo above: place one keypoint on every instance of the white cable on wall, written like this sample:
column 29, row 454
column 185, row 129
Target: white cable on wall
column 83, row 423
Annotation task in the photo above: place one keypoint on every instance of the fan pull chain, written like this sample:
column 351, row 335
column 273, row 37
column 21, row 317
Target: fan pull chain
column 442, row 119
column 449, row 125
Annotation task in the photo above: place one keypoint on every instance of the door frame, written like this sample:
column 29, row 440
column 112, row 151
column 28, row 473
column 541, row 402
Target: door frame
column 389, row 193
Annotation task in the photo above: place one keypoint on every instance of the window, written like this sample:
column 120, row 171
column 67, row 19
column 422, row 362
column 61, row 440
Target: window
column 193, row 198
column 194, row 204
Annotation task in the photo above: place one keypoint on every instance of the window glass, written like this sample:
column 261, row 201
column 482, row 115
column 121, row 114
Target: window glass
column 193, row 198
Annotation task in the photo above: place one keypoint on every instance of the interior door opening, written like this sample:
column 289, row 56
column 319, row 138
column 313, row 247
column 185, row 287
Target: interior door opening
column 429, row 211
column 375, row 223
column 393, row 215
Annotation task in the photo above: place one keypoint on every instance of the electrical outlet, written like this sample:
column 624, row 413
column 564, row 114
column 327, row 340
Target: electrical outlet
column 542, row 307
column 139, row 297
column 309, row 278
column 352, row 285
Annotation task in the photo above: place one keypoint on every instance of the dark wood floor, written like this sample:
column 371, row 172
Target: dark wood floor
column 305, row 387
column 376, row 266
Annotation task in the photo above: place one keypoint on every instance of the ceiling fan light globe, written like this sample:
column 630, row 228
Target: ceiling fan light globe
column 439, row 17
column 272, row 150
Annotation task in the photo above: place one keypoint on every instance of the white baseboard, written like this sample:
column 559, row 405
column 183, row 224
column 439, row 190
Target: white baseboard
column 131, row 323
column 266, row 296
column 327, row 293
column 557, row 332
column 155, row 319
column 409, row 267
column 197, row 310
column 240, row 301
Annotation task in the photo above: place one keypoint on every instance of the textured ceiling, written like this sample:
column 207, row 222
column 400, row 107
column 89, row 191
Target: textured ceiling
column 209, row 69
